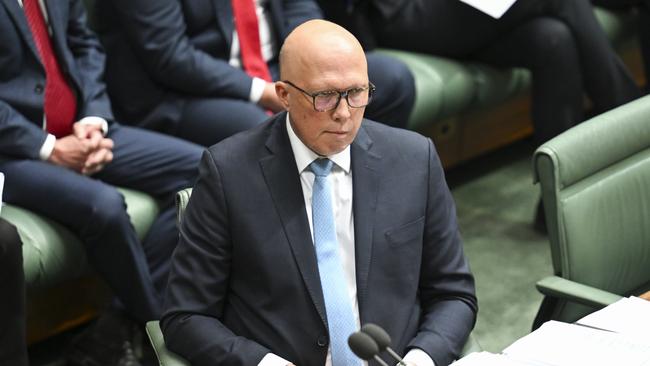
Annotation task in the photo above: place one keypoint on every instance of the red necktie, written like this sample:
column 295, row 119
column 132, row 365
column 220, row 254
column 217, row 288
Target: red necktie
column 60, row 101
column 248, row 31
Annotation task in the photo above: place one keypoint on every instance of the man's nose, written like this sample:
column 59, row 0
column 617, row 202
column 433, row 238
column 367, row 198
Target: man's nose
column 342, row 111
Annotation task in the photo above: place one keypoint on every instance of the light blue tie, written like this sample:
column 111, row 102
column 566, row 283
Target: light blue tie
column 340, row 318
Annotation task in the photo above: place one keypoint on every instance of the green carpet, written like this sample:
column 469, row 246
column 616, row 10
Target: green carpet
column 496, row 201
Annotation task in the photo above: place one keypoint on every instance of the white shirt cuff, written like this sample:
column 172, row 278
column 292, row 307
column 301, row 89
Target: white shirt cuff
column 47, row 147
column 94, row 120
column 257, row 89
column 271, row 359
column 418, row 357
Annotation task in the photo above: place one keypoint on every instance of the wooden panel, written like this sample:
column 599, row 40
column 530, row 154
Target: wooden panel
column 55, row 309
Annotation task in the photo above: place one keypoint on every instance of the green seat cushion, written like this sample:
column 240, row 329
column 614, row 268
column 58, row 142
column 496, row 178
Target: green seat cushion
column 52, row 254
column 443, row 86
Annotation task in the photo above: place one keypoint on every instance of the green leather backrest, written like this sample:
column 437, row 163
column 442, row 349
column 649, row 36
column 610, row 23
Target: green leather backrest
column 595, row 181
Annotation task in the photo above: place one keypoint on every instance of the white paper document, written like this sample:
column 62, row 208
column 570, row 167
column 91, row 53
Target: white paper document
column 629, row 316
column 493, row 8
column 488, row 359
column 562, row 344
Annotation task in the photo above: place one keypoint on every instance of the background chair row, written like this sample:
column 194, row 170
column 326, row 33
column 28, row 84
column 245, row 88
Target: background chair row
column 466, row 108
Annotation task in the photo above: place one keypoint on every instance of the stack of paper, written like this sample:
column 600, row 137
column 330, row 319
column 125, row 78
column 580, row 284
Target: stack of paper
column 629, row 316
column 615, row 335
column 488, row 359
column 561, row 344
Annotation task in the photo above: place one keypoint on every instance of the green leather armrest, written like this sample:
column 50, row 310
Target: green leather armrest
column 576, row 292
column 165, row 356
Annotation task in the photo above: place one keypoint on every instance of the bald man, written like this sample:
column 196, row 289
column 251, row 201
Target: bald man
column 303, row 229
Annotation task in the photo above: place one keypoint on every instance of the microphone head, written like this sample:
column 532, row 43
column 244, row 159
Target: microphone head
column 363, row 346
column 378, row 334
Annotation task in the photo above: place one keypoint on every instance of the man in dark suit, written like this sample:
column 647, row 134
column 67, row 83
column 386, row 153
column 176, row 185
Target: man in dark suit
column 275, row 267
column 13, row 349
column 176, row 66
column 560, row 41
column 60, row 149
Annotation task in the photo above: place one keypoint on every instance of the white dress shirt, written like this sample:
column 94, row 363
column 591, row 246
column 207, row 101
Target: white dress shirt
column 48, row 146
column 267, row 42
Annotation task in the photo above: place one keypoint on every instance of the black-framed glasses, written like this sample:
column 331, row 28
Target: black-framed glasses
column 328, row 100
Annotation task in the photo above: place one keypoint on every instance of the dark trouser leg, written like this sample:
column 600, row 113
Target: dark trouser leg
column 606, row 80
column 207, row 121
column 161, row 166
column 143, row 160
column 97, row 213
column 546, row 47
column 13, row 349
column 393, row 100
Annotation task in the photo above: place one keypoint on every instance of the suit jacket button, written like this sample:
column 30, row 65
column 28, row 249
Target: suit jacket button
column 38, row 89
column 322, row 341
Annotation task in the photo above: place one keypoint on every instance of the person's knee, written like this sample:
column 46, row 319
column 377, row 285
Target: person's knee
column 395, row 95
column 207, row 121
column 551, row 39
column 107, row 210
column 393, row 78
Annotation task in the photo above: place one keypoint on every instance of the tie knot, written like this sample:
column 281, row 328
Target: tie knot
column 321, row 167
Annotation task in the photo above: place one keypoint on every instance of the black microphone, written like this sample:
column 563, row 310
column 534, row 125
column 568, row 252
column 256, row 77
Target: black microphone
column 382, row 339
column 364, row 347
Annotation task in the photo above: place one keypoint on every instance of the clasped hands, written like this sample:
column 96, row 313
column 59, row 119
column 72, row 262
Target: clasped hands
column 85, row 150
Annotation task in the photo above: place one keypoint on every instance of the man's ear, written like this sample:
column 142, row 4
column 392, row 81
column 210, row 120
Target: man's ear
column 282, row 90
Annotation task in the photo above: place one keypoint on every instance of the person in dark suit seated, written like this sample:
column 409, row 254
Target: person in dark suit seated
column 62, row 152
column 642, row 8
column 559, row 41
column 306, row 227
column 13, row 349
column 192, row 69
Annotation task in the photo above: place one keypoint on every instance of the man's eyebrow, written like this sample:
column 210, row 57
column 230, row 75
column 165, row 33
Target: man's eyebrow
column 334, row 90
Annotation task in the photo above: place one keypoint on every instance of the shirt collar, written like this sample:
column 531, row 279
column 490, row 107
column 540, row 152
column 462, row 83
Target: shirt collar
column 304, row 155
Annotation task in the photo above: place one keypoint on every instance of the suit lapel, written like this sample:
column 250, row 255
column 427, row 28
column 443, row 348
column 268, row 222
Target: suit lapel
column 281, row 175
column 18, row 15
column 365, row 178
column 225, row 20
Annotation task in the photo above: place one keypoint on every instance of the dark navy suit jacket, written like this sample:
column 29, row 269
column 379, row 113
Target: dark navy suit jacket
column 159, row 52
column 22, row 75
column 244, row 278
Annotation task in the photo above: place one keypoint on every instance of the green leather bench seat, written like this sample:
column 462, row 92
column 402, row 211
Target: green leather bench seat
column 54, row 257
column 52, row 254
column 446, row 88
